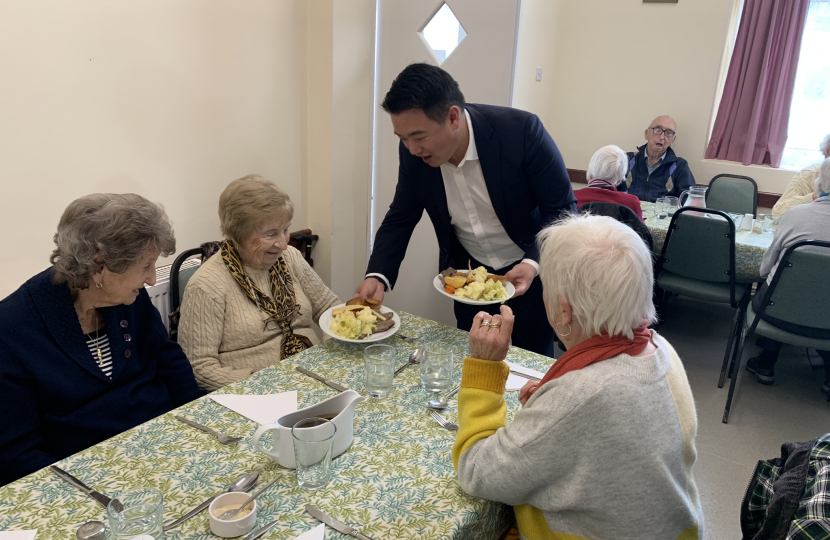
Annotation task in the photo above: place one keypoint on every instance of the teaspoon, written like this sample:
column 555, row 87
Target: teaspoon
column 442, row 403
column 414, row 359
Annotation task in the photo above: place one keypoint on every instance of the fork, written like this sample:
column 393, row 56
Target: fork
column 443, row 422
column 221, row 437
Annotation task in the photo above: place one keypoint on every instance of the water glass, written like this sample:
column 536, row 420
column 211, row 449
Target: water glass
column 757, row 226
column 380, row 368
column 141, row 516
column 768, row 222
column 436, row 368
column 661, row 207
column 313, row 441
column 672, row 205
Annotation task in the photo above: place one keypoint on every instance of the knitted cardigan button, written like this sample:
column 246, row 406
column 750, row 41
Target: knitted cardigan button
column 128, row 337
column 124, row 324
column 128, row 353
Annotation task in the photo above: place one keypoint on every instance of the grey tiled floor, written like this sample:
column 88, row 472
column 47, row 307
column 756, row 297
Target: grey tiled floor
column 761, row 419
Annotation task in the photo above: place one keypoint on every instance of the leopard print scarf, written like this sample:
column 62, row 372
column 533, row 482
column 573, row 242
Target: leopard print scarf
column 279, row 310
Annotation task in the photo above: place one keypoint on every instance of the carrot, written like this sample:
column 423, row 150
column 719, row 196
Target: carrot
column 450, row 290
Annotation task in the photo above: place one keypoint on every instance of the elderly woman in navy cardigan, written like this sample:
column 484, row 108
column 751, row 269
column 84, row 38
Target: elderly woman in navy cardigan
column 83, row 353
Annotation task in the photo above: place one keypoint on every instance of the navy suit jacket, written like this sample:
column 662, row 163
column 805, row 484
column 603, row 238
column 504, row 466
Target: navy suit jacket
column 55, row 400
column 526, row 180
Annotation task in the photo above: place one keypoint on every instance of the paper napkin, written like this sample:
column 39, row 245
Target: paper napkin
column 515, row 382
column 21, row 535
column 261, row 409
column 317, row 533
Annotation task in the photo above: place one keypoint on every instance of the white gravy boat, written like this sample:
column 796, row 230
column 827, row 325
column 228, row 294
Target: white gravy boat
column 338, row 409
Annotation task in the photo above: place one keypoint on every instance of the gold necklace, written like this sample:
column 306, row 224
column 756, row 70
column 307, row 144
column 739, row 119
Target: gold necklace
column 98, row 343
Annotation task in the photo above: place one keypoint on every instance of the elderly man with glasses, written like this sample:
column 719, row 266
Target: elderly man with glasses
column 654, row 170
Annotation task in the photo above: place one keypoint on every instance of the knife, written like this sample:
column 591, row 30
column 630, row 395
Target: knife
column 334, row 524
column 102, row 499
column 313, row 375
column 259, row 532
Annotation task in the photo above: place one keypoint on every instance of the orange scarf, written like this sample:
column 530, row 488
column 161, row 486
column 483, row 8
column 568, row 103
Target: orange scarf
column 597, row 349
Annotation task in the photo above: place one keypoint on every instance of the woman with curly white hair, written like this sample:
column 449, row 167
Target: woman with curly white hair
column 802, row 188
column 84, row 354
column 604, row 445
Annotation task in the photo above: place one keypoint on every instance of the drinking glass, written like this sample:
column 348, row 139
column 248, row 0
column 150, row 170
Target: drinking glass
column 768, row 222
column 672, row 205
column 380, row 367
column 141, row 516
column 661, row 207
column 313, row 441
column 757, row 226
column 436, row 368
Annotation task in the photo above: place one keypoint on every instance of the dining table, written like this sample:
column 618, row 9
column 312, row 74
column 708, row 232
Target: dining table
column 396, row 480
column 750, row 247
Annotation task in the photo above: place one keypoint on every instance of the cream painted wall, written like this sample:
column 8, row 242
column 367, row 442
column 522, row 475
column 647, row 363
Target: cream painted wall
column 610, row 66
column 338, row 152
column 170, row 100
column 537, row 47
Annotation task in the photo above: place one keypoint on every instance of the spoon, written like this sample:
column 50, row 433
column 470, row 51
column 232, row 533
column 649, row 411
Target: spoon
column 414, row 359
column 442, row 403
column 243, row 483
column 231, row 514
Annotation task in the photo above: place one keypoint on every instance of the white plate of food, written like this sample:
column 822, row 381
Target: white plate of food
column 474, row 297
column 353, row 321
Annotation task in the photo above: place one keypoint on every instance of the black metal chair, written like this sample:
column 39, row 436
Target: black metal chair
column 303, row 241
column 799, row 293
column 733, row 193
column 698, row 260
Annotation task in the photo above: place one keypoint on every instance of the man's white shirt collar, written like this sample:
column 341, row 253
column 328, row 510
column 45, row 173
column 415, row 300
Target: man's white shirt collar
column 472, row 153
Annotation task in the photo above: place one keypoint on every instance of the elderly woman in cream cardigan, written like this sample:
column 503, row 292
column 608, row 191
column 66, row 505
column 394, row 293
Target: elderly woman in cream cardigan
column 254, row 303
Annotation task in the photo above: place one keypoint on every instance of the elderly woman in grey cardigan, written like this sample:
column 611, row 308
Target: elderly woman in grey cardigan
column 605, row 443
column 254, row 303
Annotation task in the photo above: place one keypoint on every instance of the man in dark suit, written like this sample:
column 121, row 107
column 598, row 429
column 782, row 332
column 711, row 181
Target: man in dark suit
column 490, row 179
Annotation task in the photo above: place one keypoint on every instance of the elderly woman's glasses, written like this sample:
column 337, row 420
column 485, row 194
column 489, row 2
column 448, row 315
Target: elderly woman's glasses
column 660, row 131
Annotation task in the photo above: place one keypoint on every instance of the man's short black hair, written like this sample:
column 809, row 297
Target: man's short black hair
column 424, row 87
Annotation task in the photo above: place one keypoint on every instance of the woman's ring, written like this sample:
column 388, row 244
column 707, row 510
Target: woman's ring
column 495, row 325
column 485, row 323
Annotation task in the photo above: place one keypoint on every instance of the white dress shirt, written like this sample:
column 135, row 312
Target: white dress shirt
column 472, row 215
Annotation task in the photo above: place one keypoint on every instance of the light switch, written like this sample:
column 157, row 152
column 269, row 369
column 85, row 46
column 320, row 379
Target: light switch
column 538, row 74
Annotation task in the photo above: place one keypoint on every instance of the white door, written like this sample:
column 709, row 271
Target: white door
column 483, row 64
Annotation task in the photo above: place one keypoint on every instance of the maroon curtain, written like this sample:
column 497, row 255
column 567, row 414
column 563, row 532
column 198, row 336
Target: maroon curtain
column 751, row 125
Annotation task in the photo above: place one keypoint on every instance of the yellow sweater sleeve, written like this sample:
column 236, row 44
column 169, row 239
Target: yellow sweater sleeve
column 481, row 406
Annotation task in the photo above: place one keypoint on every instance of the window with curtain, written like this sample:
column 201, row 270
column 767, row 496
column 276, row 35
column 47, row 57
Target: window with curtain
column 810, row 108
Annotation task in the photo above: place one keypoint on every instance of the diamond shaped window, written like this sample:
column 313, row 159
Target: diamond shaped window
column 443, row 33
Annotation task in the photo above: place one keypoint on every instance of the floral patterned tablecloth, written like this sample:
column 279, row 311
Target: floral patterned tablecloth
column 396, row 481
column 749, row 247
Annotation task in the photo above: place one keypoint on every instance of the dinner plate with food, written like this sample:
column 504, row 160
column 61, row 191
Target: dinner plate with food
column 360, row 320
column 475, row 287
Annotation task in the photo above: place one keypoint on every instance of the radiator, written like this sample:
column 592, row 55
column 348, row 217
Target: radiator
column 160, row 292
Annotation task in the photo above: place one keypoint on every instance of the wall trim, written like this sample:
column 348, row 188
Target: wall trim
column 766, row 200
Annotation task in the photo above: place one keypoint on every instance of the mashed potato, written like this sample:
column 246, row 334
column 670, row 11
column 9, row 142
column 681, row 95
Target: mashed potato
column 482, row 289
column 351, row 326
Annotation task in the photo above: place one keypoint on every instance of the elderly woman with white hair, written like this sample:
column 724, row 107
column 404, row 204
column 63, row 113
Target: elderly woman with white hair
column 84, row 354
column 802, row 188
column 257, row 302
column 607, row 168
column 804, row 222
column 603, row 447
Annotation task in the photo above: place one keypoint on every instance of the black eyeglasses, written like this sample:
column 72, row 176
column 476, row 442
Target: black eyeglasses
column 660, row 131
